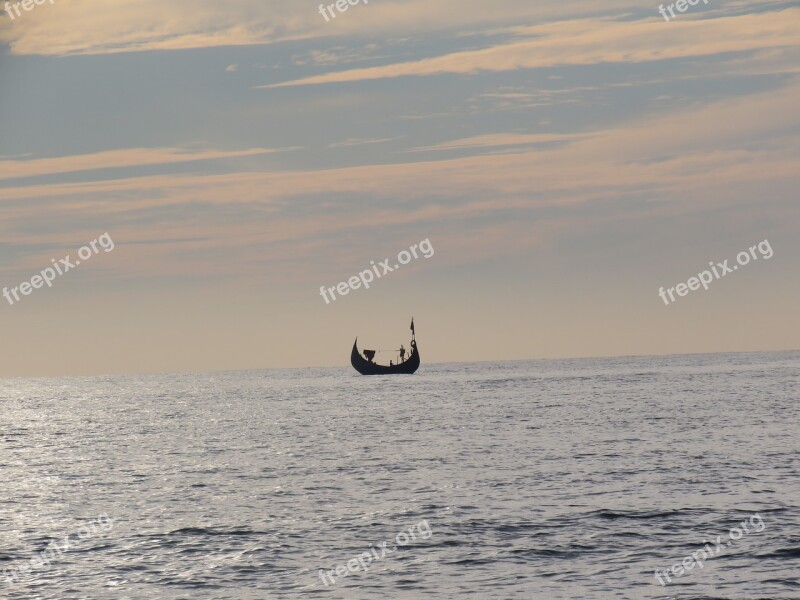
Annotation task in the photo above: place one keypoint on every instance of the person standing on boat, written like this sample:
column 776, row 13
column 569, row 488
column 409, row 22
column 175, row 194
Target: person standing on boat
column 402, row 353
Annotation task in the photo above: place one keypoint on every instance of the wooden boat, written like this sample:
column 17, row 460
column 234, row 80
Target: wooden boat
column 366, row 366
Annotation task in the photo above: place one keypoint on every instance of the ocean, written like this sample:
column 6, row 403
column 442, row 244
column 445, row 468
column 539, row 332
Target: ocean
column 539, row 479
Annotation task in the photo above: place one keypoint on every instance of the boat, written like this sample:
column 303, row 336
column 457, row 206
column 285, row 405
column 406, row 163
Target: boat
column 366, row 365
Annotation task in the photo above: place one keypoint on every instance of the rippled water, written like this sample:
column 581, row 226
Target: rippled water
column 542, row 479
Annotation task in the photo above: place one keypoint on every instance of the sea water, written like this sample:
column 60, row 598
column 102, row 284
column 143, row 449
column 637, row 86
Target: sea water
column 539, row 479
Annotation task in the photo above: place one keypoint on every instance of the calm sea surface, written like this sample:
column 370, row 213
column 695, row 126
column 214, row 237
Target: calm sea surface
column 540, row 479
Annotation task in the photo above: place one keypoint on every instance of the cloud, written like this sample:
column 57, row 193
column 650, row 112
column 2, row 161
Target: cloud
column 362, row 142
column 587, row 42
column 501, row 141
column 696, row 159
column 131, row 157
column 112, row 26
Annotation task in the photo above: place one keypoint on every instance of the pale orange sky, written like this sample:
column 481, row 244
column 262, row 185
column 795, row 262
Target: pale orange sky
column 564, row 160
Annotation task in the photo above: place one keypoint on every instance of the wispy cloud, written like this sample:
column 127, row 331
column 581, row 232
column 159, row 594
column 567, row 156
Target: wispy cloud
column 337, row 55
column 113, row 26
column 501, row 141
column 586, row 42
column 362, row 142
column 709, row 164
column 131, row 157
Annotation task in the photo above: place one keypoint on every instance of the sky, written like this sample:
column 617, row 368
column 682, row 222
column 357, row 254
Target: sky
column 564, row 160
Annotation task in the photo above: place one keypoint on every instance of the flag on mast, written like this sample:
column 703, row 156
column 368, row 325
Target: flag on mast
column 412, row 325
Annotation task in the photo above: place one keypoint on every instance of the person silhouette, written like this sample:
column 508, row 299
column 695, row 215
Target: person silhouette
column 402, row 353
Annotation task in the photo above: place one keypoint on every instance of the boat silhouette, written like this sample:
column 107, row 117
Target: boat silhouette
column 366, row 366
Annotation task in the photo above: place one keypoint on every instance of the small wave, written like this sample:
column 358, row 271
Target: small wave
column 632, row 514
column 783, row 553
column 192, row 531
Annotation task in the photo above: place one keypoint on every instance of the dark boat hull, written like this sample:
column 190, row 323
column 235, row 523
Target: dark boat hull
column 363, row 366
